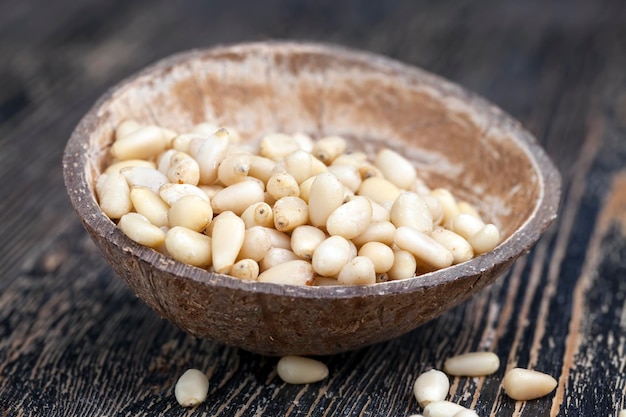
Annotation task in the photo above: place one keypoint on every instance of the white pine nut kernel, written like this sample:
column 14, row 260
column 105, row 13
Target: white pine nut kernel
column 129, row 163
column 378, row 189
column 377, row 231
column 465, row 225
column 143, row 143
column 298, row 164
column 246, row 269
column 282, row 184
column 395, row 168
column 379, row 213
column 139, row 229
column 228, row 231
column 354, row 159
column 276, row 146
column 279, row 239
column 467, row 208
column 145, row 177
column 164, row 160
column 380, row 254
column 188, row 246
column 238, row 197
column 209, row 153
column 289, row 213
column 525, row 384
column 348, row 175
column 234, row 168
column 125, row 127
column 192, row 388
column 404, row 265
column 181, row 142
column 114, row 195
column 183, row 169
column 305, row 188
column 258, row 214
column 296, row 272
column 358, row 271
column 305, row 239
column 350, row 219
column 423, row 247
column 465, row 413
column 442, row 409
column 256, row 244
column 277, row 256
column 261, row 167
column 328, row 148
column 149, row 204
column 325, row 196
column 431, row 386
column 331, row 255
column 436, row 211
column 301, row 370
column 472, row 364
column 409, row 209
column 485, row 239
column 305, row 142
column 460, row 248
column 447, row 202
column 191, row 212
column 170, row 193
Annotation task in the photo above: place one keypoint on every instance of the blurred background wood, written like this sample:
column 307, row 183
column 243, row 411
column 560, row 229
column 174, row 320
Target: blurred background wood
column 74, row 340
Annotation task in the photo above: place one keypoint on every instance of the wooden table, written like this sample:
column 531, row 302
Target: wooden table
column 75, row 341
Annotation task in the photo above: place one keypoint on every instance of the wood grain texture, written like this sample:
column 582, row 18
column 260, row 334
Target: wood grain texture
column 75, row 341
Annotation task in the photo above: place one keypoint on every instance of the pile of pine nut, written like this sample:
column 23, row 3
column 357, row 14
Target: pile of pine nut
column 285, row 209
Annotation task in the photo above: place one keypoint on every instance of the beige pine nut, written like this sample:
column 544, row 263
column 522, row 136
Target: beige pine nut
column 114, row 195
column 381, row 231
column 378, row 189
column 256, row 244
column 411, row 210
column 282, row 184
column 358, row 271
column 188, row 246
column 164, row 160
column 442, row 409
column 622, row 413
column 170, row 193
column 331, row 255
column 183, row 169
column 380, row 254
column 182, row 142
column 460, row 248
column 261, row 167
column 301, row 370
column 258, row 214
column 395, row 168
column 228, row 232
column 317, row 167
column 525, row 384
column 145, row 177
column 139, row 229
column 296, row 272
column 279, row 239
column 379, row 213
column 305, row 142
column 150, row 205
column 328, row 148
column 353, row 159
column 234, row 169
column 276, row 146
column 465, row 413
column 447, row 202
column 436, row 211
column 191, row 212
column 126, row 127
column 348, row 175
column 289, row 213
column 472, row 364
column 129, row 163
column 465, row 225
column 350, row 219
column 191, row 388
column 403, row 267
column 209, row 153
column 305, row 239
column 305, row 188
column 423, row 247
column 205, row 128
column 298, row 164
column 143, row 143
column 467, row 208
column 368, row 170
column 277, row 256
column 325, row 196
column 485, row 239
column 246, row 269
column 238, row 197
column 420, row 187
column 211, row 190
column 431, row 386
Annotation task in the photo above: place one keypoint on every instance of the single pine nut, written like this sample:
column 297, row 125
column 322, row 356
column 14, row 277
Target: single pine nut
column 298, row 164
column 246, row 269
column 331, row 255
column 282, row 184
column 465, row 413
column 465, row 207
column 279, row 239
column 114, row 195
column 465, row 225
column 305, row 239
column 145, row 177
column 143, row 143
column 379, row 213
column 234, row 168
column 403, row 267
column 368, row 170
column 301, row 370
column 442, row 409
column 258, row 214
column 485, row 239
column 129, row 163
column 183, row 169
column 348, row 175
column 325, row 196
column 150, row 205
column 170, row 193
column 192, row 388
column 358, row 271
column 431, row 386
column 296, row 272
column 210, row 190
column 238, row 197
column 289, row 213
column 525, row 384
column 436, row 211
column 164, row 160
column 328, row 148
column 395, row 168
column 188, row 246
column 191, row 212
column 379, row 231
column 276, row 146
column 277, row 256
column 305, row 188
column 378, row 189
column 423, row 247
column 209, row 153
column 409, row 209
column 447, row 202
column 126, row 127
column 261, row 167
column 227, row 238
column 460, row 248
column 139, row 229
column 182, row 142
column 256, row 244
column 304, row 141
column 380, row 254
column 472, row 364
column 350, row 219
column 354, row 159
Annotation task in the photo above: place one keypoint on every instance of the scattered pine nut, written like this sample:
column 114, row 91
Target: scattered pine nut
column 442, row 409
column 301, row 370
column 472, row 364
column 525, row 384
column 431, row 386
column 191, row 388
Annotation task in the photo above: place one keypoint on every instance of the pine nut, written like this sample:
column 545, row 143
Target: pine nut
column 411, row 210
column 485, row 239
column 348, row 175
column 447, row 202
column 183, row 169
column 114, row 195
column 129, row 163
column 145, row 177
column 238, row 197
column 305, row 239
column 182, row 142
column 331, row 255
column 256, row 244
column 350, row 219
column 143, row 143
column 191, row 212
column 380, row 254
column 261, row 167
column 233, row 169
column 358, row 271
column 431, row 386
column 304, row 141
column 354, row 159
column 227, row 238
column 378, row 189
column 192, row 388
column 205, row 129
column 301, row 370
column 403, row 267
column 209, row 153
column 395, row 168
column 296, row 272
column 277, row 256
column 276, row 146
column 149, row 204
column 442, row 409
column 436, row 211
column 379, row 213
column 377, row 231
column 139, row 229
column 467, row 208
column 246, row 269
column 298, row 164
column 460, row 248
column 472, row 364
column 305, row 188
column 126, row 127
column 188, row 246
column 325, row 196
column 465, row 225
column 282, row 184
column 258, row 214
column 289, row 213
column 525, row 384
column 170, row 193
column 328, row 148
column 279, row 239
column 423, row 247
